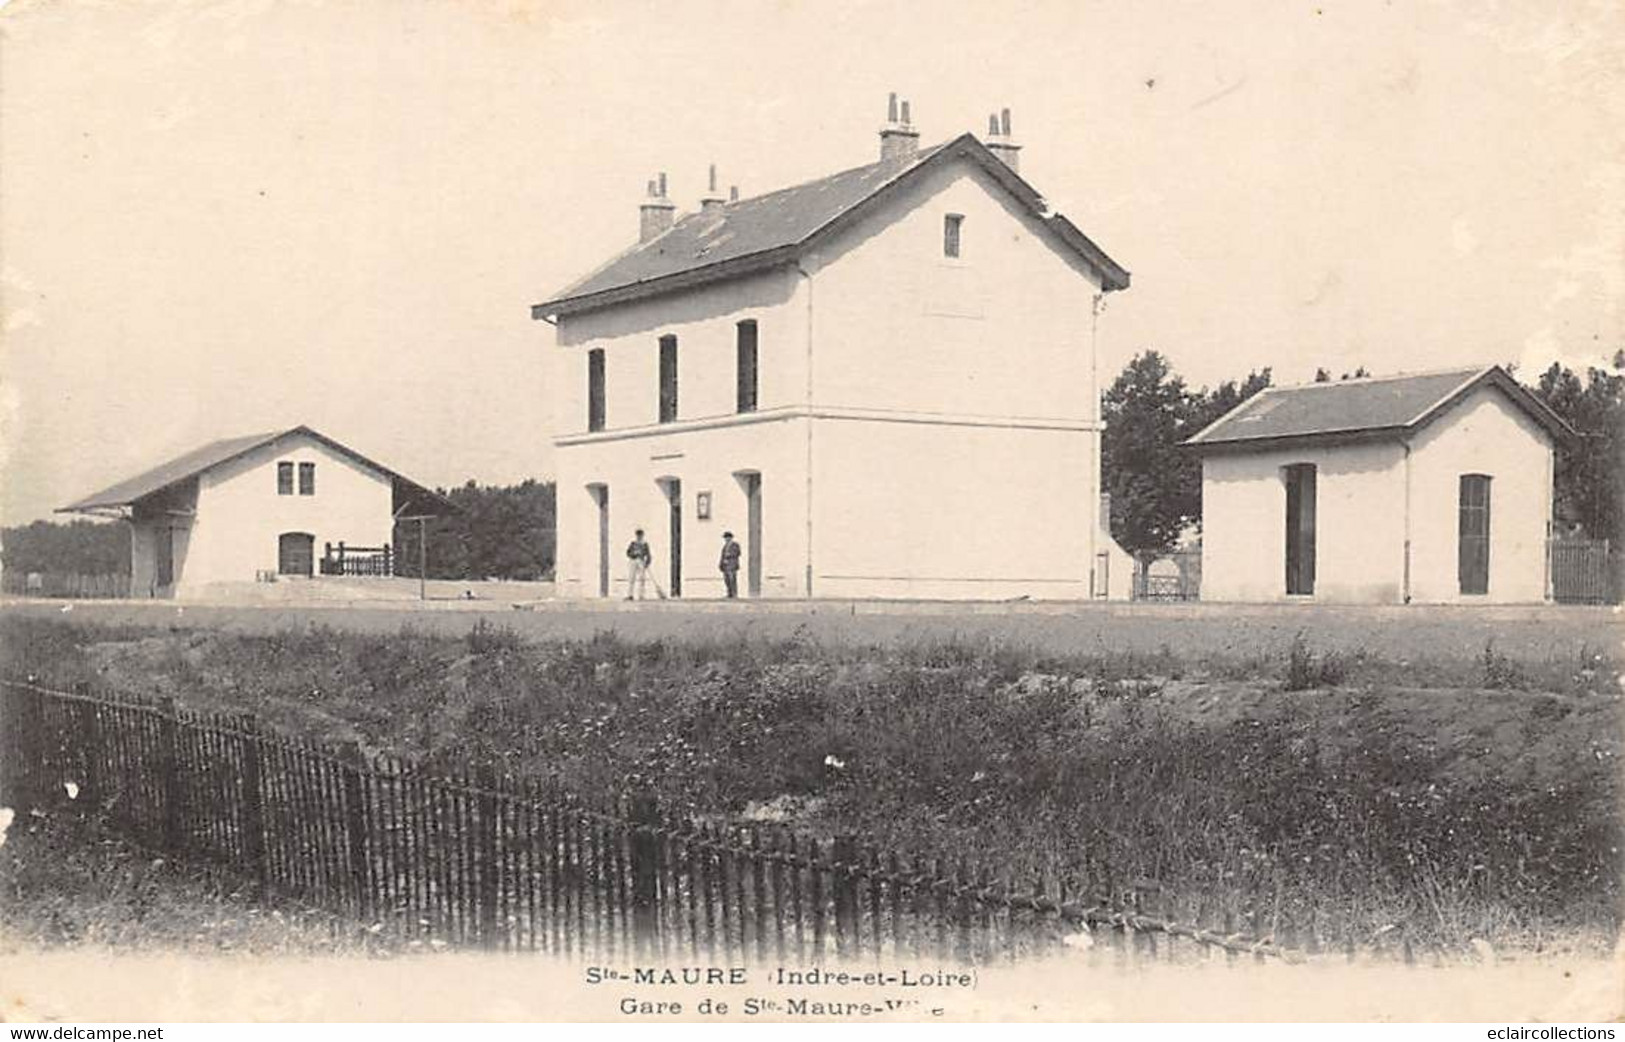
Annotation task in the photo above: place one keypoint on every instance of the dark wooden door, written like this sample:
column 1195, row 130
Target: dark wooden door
column 1473, row 531
column 164, row 554
column 296, row 553
column 1300, row 529
column 675, row 493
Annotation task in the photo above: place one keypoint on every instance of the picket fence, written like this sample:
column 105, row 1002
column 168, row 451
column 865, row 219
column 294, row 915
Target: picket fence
column 504, row 863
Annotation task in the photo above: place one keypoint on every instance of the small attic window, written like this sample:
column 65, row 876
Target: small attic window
column 951, row 224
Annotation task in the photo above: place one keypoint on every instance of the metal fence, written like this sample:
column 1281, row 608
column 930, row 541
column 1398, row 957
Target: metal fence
column 501, row 863
column 1585, row 571
column 1175, row 576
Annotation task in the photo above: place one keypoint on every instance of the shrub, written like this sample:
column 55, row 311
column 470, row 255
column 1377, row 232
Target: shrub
column 1306, row 670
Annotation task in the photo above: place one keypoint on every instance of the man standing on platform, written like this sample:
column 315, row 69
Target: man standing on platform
column 730, row 564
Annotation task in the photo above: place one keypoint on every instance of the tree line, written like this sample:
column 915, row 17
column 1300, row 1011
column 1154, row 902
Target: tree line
column 1156, row 485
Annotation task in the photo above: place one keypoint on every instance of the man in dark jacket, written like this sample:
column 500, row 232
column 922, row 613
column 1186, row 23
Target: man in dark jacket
column 730, row 564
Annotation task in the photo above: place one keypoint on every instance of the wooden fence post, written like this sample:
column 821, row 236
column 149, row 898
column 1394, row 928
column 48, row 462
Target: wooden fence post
column 253, row 847
column 169, row 776
column 844, row 853
column 90, row 749
column 355, row 825
column 485, row 842
column 645, row 874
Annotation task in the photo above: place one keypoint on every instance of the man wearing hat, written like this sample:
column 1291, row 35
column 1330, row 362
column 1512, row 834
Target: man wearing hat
column 730, row 564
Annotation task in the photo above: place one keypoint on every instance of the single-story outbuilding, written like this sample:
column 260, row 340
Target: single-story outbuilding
column 289, row 503
column 1428, row 487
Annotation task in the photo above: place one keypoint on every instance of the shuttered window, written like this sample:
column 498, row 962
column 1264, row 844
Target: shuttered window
column 307, row 479
column 951, row 225
column 595, row 389
column 746, row 371
column 668, row 379
column 284, row 479
column 1473, row 527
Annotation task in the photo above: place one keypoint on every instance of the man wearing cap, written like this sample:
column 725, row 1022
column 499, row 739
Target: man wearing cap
column 730, row 564
column 638, row 558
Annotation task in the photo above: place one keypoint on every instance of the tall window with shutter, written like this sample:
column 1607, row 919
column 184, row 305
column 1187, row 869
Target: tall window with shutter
column 952, row 224
column 668, row 379
column 307, row 479
column 746, row 368
column 284, row 479
column 595, row 389
column 1473, row 528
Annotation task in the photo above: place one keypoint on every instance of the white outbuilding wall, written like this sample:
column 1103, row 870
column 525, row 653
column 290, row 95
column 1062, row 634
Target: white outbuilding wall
column 1374, row 497
column 240, row 516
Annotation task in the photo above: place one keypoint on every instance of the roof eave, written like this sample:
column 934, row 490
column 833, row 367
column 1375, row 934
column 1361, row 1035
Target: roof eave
column 1275, row 441
column 745, row 265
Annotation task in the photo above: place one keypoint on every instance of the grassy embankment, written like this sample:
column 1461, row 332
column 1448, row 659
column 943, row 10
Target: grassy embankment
column 1366, row 800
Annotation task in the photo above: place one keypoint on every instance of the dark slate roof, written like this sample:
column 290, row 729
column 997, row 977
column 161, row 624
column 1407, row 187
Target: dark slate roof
column 767, row 230
column 1372, row 406
column 190, row 465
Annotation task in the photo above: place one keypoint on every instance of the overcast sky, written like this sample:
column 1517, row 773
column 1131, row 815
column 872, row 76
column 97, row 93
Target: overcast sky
column 221, row 218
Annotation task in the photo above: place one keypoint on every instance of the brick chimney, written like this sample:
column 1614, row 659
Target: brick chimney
column 711, row 201
column 898, row 137
column 999, row 141
column 656, row 213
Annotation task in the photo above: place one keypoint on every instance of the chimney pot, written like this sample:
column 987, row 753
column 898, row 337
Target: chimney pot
column 711, row 200
column 657, row 212
column 897, row 137
column 999, row 141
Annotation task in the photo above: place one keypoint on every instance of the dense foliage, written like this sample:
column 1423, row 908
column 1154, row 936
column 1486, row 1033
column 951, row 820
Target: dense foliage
column 498, row 532
column 77, row 547
column 1154, row 484
column 1589, row 484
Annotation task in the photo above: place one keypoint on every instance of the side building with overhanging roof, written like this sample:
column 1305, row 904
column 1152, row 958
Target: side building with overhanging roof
column 288, row 504
column 883, row 382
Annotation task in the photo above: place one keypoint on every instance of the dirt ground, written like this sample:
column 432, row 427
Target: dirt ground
column 1396, row 634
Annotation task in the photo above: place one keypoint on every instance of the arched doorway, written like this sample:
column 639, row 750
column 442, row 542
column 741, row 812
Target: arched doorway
column 296, row 553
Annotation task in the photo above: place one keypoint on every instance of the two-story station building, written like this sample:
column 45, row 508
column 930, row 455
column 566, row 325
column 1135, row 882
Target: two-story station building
column 883, row 382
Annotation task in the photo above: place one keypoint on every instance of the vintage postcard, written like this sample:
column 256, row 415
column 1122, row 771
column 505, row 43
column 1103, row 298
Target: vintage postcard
column 818, row 512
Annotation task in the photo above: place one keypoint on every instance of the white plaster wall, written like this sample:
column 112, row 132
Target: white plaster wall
column 704, row 320
column 240, row 515
column 704, row 460
column 1359, row 524
column 1004, row 330
column 953, row 512
column 1484, row 434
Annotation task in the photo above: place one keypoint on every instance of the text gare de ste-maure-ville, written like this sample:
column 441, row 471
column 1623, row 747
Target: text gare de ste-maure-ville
column 715, row 975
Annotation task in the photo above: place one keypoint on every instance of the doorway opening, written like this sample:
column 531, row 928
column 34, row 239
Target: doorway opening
column 674, row 498
column 750, row 481
column 1300, row 529
column 296, row 553
column 164, row 565
column 600, row 496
